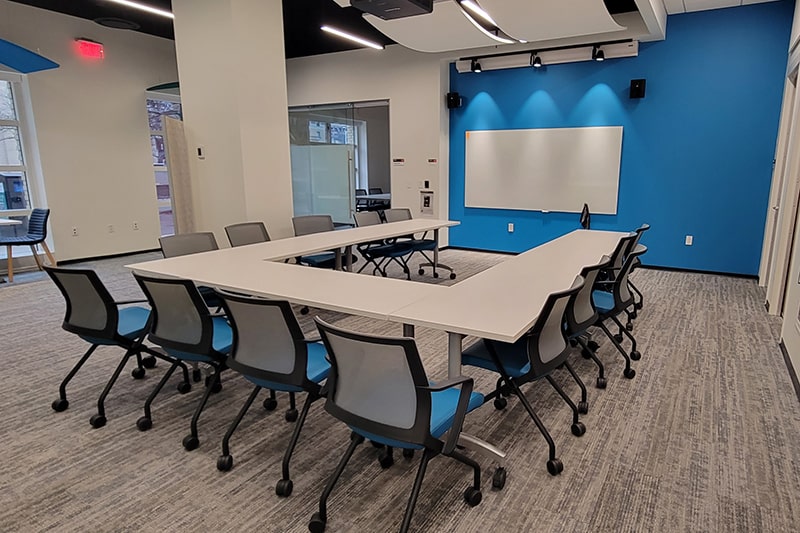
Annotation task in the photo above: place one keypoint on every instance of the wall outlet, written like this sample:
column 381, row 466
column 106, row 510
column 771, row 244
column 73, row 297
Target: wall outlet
column 689, row 240
column 111, row 228
column 135, row 226
column 74, row 231
column 511, row 227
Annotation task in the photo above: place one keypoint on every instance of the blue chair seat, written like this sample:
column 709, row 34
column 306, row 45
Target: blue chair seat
column 603, row 301
column 325, row 260
column 443, row 411
column 131, row 324
column 388, row 250
column 21, row 239
column 317, row 370
column 221, row 342
column 513, row 356
column 423, row 245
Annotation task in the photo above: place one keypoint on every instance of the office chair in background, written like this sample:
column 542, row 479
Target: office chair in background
column 381, row 253
column 37, row 233
column 417, row 245
column 246, row 233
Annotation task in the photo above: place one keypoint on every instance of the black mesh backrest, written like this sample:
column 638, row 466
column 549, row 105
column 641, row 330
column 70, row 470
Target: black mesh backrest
column 375, row 384
column 181, row 320
column 308, row 224
column 91, row 310
column 375, row 190
column 188, row 243
column 621, row 251
column 638, row 231
column 623, row 297
column 396, row 214
column 37, row 224
column 361, row 192
column 246, row 233
column 367, row 218
column 580, row 312
column 268, row 342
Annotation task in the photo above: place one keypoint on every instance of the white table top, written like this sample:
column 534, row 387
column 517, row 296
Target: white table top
column 503, row 302
column 381, row 196
column 9, row 222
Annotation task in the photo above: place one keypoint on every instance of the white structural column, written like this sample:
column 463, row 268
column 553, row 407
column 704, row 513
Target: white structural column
column 232, row 73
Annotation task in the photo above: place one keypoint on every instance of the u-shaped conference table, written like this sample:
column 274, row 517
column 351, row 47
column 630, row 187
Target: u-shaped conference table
column 500, row 303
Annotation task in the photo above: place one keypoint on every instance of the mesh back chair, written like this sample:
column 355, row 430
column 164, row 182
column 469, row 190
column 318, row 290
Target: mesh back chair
column 381, row 253
column 378, row 204
column 378, row 387
column 37, row 233
column 536, row 355
column 361, row 203
column 93, row 315
column 184, row 328
column 610, row 303
column 270, row 350
column 308, row 224
column 419, row 245
column 636, row 247
column 246, row 233
column 581, row 315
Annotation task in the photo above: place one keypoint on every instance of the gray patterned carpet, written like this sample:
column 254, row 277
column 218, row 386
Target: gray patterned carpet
column 705, row 438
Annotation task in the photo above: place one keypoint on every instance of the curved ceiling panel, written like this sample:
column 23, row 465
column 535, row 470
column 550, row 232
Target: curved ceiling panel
column 549, row 19
column 443, row 30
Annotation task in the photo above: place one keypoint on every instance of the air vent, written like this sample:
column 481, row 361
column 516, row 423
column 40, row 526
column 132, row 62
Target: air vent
column 393, row 9
column 117, row 23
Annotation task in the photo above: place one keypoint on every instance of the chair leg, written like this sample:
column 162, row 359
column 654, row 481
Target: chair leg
column 36, row 257
column 554, row 465
column 634, row 354
column 49, row 255
column 291, row 413
column 10, row 262
column 191, row 441
column 601, row 378
column 476, row 468
column 578, row 428
column 640, row 303
column 583, row 406
column 146, row 422
column 99, row 420
column 427, row 455
column 284, row 486
column 628, row 372
column 225, row 461
column 62, row 403
column 318, row 519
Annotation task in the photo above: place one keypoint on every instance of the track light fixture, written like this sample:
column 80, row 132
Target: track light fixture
column 536, row 61
column 476, row 66
column 598, row 54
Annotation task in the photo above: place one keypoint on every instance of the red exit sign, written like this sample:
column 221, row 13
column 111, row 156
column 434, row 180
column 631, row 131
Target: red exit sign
column 89, row 49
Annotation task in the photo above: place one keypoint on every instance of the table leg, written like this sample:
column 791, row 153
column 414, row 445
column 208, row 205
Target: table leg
column 348, row 260
column 454, row 354
column 408, row 330
column 338, row 263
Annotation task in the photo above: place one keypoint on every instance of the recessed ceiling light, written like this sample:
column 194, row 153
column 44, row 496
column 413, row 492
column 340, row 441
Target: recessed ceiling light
column 144, row 7
column 351, row 37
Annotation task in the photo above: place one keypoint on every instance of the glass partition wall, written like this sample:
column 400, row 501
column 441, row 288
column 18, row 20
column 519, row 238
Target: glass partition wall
column 336, row 149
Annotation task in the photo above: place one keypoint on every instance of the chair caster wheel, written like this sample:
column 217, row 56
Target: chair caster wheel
column 629, row 373
column 376, row 444
column 291, row 415
column 500, row 403
column 224, row 463
column 386, row 460
column 421, row 271
column 601, row 383
column 618, row 337
column 452, row 275
column 408, row 453
column 97, row 421
column 635, row 355
column 629, row 326
column 473, row 496
column 637, row 305
column 304, row 311
column 144, row 423
column 59, row 405
column 317, row 524
column 137, row 373
column 149, row 362
column 583, row 407
column 190, row 442
column 499, row 478
column 592, row 345
column 435, row 274
column 184, row 387
column 270, row 404
column 197, row 375
column 554, row 467
column 215, row 385
column 284, row 488
column 634, row 314
column 586, row 354
column 578, row 429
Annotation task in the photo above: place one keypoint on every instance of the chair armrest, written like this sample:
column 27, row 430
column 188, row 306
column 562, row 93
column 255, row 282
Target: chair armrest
column 126, row 302
column 461, row 409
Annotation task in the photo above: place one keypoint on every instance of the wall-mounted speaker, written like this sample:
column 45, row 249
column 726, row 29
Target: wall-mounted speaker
column 453, row 100
column 637, row 88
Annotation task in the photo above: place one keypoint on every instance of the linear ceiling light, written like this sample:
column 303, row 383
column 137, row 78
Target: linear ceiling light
column 478, row 10
column 144, row 7
column 486, row 32
column 351, row 37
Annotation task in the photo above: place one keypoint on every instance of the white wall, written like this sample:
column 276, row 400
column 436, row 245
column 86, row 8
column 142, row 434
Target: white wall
column 415, row 85
column 92, row 129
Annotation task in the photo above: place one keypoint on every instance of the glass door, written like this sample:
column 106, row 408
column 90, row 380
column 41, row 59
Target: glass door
column 161, row 105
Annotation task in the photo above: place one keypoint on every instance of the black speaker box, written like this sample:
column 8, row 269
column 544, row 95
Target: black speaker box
column 453, row 100
column 637, row 88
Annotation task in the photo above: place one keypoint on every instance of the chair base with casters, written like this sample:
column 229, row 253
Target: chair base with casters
column 420, row 246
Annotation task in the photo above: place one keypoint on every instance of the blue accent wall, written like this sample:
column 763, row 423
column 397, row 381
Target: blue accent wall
column 697, row 151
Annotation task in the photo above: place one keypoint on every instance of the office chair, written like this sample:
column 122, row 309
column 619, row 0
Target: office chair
column 378, row 387
column 308, row 224
column 183, row 326
column 611, row 298
column 94, row 316
column 270, row 350
column 381, row 253
column 361, row 204
column 536, row 355
column 37, row 233
column 638, row 303
column 246, row 233
column 418, row 245
column 581, row 314
column 378, row 204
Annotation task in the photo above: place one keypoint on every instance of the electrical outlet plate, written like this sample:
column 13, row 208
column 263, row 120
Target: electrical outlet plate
column 689, row 240
column 74, row 231
column 135, row 226
column 511, row 227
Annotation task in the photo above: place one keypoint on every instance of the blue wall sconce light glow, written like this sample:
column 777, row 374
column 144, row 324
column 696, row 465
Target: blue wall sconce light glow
column 144, row 7
column 351, row 37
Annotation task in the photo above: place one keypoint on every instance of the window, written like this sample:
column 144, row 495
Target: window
column 157, row 109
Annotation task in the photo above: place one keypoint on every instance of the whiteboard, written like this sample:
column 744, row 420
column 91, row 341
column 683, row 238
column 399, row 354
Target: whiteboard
column 557, row 169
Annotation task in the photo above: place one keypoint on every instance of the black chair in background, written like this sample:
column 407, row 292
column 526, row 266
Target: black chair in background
column 417, row 245
column 307, row 225
column 246, row 233
column 37, row 233
column 636, row 247
column 378, row 387
column 93, row 315
column 362, row 204
column 378, row 204
column 380, row 253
